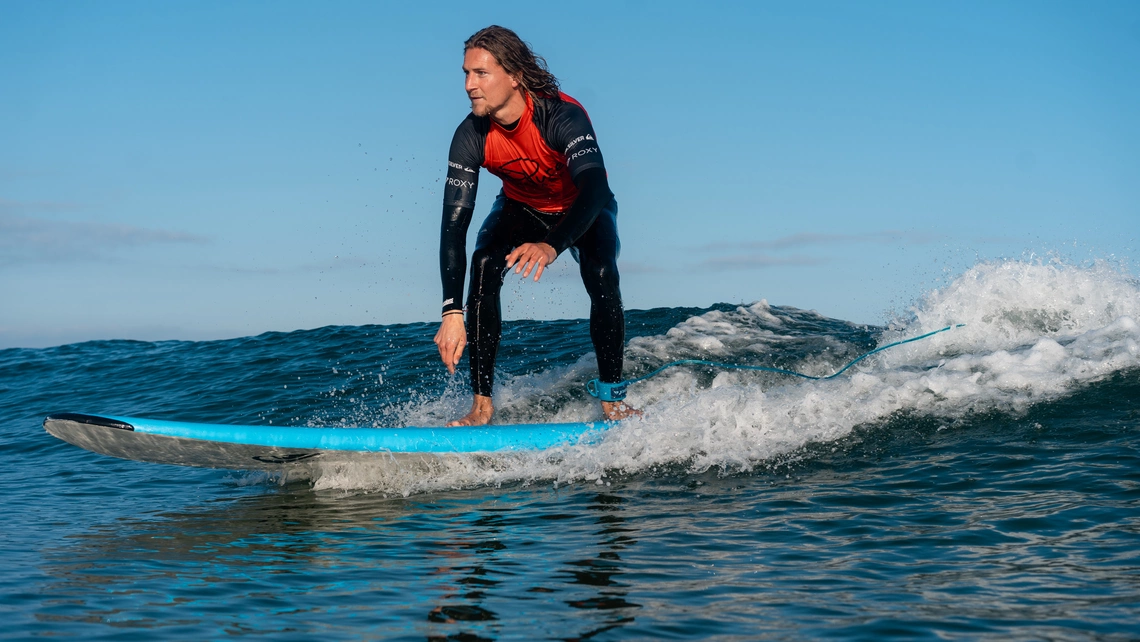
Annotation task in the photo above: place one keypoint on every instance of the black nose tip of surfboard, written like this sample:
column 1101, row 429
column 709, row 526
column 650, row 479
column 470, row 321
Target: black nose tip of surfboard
column 91, row 420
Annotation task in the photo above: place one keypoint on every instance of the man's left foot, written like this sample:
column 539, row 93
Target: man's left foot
column 618, row 410
column 481, row 412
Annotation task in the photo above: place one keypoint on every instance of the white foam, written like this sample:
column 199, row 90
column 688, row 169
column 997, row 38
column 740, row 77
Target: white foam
column 1034, row 331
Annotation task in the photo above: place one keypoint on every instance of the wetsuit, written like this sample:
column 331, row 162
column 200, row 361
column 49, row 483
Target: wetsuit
column 555, row 191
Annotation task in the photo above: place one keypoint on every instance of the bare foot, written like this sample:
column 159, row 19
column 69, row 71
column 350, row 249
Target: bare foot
column 480, row 415
column 618, row 410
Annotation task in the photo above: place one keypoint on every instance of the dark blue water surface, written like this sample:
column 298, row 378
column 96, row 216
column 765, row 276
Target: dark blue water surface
column 962, row 490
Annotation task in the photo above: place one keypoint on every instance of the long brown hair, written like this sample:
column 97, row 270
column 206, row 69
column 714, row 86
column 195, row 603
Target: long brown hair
column 516, row 57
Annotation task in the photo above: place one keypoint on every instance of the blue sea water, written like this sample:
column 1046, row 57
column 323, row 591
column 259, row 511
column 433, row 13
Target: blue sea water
column 980, row 484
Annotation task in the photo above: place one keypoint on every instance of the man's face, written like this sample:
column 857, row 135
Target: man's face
column 488, row 85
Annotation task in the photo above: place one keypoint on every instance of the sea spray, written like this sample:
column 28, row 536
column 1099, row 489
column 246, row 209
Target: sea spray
column 1034, row 332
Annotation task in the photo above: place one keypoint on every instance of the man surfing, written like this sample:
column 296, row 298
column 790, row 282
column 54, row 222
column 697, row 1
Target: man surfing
column 555, row 197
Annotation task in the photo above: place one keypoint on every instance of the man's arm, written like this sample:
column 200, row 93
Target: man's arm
column 453, row 254
column 459, row 190
column 570, row 131
column 593, row 195
column 452, row 336
column 464, row 159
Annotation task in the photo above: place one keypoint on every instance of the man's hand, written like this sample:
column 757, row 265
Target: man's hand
column 531, row 256
column 451, row 339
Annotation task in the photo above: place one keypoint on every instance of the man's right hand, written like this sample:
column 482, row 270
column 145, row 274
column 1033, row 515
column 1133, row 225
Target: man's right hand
column 451, row 339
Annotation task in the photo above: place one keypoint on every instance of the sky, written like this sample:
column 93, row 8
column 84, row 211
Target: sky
column 204, row 170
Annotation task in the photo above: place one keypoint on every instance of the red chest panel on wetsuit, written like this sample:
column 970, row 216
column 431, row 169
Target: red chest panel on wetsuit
column 531, row 171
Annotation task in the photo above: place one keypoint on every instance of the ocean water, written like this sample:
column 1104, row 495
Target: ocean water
column 980, row 484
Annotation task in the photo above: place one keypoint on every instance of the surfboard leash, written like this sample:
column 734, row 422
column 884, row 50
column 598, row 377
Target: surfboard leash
column 617, row 391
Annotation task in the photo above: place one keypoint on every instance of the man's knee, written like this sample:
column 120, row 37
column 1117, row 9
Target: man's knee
column 487, row 262
column 600, row 277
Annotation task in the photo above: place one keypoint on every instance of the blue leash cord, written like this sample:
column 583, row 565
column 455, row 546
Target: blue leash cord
column 616, row 391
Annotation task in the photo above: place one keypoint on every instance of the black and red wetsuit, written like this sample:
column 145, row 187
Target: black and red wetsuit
column 554, row 191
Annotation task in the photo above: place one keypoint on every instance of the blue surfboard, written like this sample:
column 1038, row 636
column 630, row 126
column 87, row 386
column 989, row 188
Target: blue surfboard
column 278, row 447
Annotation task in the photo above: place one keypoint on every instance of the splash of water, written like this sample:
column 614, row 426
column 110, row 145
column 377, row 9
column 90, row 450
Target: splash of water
column 1035, row 332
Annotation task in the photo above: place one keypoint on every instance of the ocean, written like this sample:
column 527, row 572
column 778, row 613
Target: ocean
column 983, row 483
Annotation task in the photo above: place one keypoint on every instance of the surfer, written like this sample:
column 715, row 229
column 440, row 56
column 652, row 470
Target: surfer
column 555, row 197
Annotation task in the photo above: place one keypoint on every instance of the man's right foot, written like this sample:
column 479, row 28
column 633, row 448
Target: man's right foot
column 618, row 410
column 481, row 412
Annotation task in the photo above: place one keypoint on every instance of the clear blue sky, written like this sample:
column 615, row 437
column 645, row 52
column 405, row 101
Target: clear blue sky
column 196, row 170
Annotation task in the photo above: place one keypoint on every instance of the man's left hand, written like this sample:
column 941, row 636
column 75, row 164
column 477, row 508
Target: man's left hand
column 531, row 256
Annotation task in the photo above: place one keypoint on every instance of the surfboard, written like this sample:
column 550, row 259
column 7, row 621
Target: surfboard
column 282, row 447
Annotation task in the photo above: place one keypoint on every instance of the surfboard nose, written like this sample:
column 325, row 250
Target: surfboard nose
column 90, row 420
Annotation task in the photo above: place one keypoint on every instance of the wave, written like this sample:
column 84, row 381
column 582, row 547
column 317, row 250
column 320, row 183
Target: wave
column 1035, row 332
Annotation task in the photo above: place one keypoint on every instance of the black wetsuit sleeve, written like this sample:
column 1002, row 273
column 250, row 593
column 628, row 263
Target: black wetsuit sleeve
column 453, row 254
column 463, row 161
column 593, row 194
column 567, row 128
